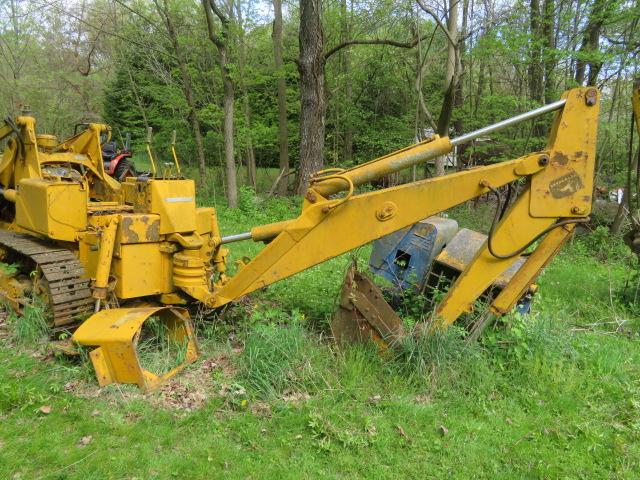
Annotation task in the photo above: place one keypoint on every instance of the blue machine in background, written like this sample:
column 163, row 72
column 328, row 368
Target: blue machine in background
column 405, row 257
column 431, row 254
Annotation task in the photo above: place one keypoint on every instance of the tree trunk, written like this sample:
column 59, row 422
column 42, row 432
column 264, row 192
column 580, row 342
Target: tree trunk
column 222, row 44
column 451, row 80
column 312, row 108
column 590, row 45
column 252, row 177
column 548, row 49
column 536, row 71
column 136, row 95
column 227, row 129
column 187, row 89
column 458, row 100
column 283, row 129
column 347, row 144
column 252, row 170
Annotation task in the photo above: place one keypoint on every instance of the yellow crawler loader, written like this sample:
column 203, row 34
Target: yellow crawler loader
column 108, row 256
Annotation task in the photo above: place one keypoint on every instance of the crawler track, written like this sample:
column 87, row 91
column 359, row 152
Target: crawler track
column 62, row 276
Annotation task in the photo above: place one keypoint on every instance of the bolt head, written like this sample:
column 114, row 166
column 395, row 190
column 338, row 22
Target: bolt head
column 543, row 161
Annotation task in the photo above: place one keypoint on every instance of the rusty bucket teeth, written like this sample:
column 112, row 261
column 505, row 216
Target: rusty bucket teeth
column 363, row 314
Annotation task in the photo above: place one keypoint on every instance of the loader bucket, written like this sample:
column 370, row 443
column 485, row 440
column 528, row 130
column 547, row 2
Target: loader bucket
column 118, row 334
column 363, row 314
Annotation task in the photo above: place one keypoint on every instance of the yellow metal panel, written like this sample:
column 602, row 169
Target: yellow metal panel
column 129, row 190
column 565, row 187
column 105, row 256
column 173, row 200
column 55, row 209
column 204, row 217
column 88, row 252
column 138, row 270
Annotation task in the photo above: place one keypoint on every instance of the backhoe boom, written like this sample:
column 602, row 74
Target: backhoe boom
column 557, row 194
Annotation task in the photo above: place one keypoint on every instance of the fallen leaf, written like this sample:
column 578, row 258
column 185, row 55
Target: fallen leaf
column 46, row 409
column 295, row 397
column 298, row 437
column 402, row 434
column 443, row 430
column 86, row 440
column 95, row 413
column 509, row 421
column 375, row 399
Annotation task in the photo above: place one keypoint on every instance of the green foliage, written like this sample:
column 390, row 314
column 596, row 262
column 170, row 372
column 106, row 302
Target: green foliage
column 603, row 246
column 9, row 268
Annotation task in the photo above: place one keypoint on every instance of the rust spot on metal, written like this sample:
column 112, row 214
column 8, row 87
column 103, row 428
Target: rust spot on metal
column 153, row 231
column 387, row 211
column 560, row 159
column 311, row 196
column 129, row 234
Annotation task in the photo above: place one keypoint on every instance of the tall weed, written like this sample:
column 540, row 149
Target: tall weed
column 31, row 326
column 279, row 358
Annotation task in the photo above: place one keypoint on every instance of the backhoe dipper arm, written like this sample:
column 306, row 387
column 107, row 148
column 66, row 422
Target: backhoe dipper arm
column 559, row 186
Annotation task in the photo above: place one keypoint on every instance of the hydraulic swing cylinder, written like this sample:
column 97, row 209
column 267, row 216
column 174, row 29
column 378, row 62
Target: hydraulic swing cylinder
column 416, row 154
column 105, row 255
column 394, row 162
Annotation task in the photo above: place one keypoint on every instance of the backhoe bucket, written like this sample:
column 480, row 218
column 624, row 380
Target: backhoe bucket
column 363, row 314
column 124, row 349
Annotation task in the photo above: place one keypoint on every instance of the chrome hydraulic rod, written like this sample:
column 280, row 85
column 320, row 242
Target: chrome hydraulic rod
column 467, row 137
column 238, row 237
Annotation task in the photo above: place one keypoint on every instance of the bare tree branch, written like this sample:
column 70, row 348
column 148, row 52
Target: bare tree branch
column 442, row 26
column 215, row 38
column 373, row 41
column 223, row 18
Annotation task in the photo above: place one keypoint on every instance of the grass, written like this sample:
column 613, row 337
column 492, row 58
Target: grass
column 554, row 394
column 158, row 351
column 31, row 326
